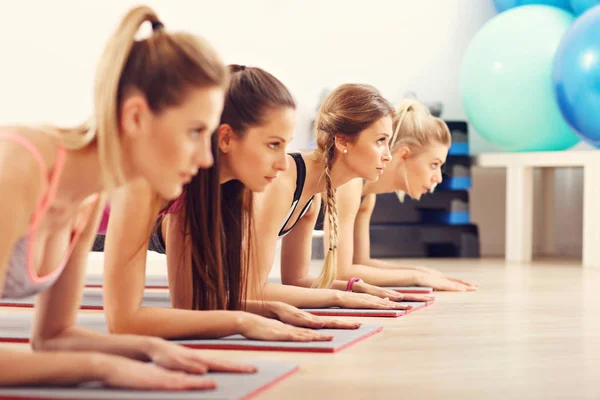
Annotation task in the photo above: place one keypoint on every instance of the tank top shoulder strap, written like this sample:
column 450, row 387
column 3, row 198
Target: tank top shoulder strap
column 300, row 174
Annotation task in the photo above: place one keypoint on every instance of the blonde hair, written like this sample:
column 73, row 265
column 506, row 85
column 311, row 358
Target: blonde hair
column 348, row 110
column 163, row 67
column 416, row 128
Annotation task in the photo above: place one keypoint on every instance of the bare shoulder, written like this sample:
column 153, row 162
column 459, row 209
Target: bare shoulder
column 368, row 203
column 21, row 175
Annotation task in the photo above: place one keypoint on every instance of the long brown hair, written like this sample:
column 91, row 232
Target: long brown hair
column 218, row 218
column 163, row 67
column 348, row 110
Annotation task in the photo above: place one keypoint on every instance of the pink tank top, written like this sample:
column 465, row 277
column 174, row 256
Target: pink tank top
column 21, row 278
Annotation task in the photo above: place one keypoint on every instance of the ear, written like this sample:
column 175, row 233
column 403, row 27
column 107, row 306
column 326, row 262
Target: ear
column 401, row 153
column 135, row 116
column 226, row 136
column 342, row 144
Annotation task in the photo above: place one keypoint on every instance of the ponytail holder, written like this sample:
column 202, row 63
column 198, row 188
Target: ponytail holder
column 351, row 283
column 157, row 25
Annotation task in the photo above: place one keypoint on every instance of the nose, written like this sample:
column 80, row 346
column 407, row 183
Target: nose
column 282, row 164
column 437, row 177
column 387, row 155
column 203, row 156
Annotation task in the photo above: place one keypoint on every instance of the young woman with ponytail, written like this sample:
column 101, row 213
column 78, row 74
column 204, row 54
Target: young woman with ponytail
column 353, row 127
column 157, row 101
column 205, row 233
column 419, row 148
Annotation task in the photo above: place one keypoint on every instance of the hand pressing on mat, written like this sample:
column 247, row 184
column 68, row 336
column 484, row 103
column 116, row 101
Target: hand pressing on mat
column 436, row 272
column 442, row 282
column 176, row 357
column 294, row 316
column 121, row 372
column 363, row 287
column 260, row 328
column 367, row 301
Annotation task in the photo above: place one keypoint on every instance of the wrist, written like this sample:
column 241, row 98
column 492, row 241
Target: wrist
column 242, row 320
column 149, row 346
column 418, row 278
column 98, row 365
column 336, row 298
column 351, row 283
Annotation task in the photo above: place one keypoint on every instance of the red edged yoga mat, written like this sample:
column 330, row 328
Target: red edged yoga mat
column 16, row 328
column 92, row 300
column 230, row 386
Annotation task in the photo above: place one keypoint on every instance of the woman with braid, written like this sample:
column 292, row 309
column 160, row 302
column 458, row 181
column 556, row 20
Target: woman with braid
column 354, row 128
column 419, row 148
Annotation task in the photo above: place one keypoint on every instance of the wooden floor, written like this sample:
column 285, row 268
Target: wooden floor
column 531, row 332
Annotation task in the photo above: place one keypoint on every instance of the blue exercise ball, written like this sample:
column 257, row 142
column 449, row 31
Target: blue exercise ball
column 581, row 6
column 503, row 5
column 576, row 76
column 506, row 80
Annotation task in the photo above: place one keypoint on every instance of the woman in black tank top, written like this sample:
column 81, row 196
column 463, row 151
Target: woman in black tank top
column 354, row 126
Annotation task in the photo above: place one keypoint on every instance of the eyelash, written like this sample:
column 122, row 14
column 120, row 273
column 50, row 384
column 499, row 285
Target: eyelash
column 274, row 145
column 382, row 140
column 196, row 132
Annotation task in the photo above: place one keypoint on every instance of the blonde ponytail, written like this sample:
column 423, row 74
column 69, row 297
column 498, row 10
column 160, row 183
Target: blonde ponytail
column 106, row 92
column 163, row 67
column 415, row 128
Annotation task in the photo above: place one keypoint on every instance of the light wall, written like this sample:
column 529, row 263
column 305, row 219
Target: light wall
column 50, row 49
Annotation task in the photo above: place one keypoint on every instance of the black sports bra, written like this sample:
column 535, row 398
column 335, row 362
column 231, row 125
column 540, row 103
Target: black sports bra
column 300, row 178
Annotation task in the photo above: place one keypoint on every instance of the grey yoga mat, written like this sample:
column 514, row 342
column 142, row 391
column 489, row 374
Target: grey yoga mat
column 160, row 281
column 92, row 300
column 357, row 312
column 16, row 327
column 229, row 386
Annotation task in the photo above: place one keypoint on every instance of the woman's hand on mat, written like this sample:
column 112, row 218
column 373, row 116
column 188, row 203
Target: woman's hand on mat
column 262, row 328
column 121, row 372
column 294, row 316
column 176, row 357
column 436, row 272
column 444, row 283
column 367, row 301
column 363, row 287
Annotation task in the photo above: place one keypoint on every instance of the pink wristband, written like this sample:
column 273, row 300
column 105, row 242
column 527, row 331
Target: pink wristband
column 351, row 282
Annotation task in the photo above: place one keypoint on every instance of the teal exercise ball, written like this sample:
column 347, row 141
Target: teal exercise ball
column 504, row 5
column 506, row 82
column 581, row 6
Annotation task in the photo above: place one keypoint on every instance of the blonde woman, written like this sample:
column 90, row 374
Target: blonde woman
column 419, row 149
column 157, row 102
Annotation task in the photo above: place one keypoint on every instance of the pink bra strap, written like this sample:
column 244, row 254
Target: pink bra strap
column 33, row 151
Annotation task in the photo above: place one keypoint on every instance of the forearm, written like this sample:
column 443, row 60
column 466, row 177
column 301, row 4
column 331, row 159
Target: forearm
column 380, row 276
column 168, row 323
column 61, row 368
column 78, row 339
column 386, row 265
column 308, row 282
column 301, row 297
